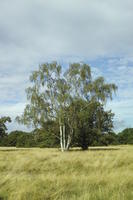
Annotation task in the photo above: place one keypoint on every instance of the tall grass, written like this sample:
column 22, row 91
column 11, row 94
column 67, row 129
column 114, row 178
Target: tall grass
column 48, row 174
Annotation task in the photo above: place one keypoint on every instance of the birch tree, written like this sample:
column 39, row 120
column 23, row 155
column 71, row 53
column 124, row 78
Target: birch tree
column 53, row 92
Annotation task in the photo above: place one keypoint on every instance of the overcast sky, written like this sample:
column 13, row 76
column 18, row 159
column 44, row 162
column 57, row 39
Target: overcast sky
column 99, row 33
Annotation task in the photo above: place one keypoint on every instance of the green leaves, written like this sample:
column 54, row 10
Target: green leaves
column 70, row 98
column 3, row 128
column 101, row 91
column 52, row 91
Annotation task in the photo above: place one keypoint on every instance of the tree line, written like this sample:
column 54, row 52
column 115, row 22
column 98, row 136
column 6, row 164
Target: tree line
column 67, row 108
column 46, row 138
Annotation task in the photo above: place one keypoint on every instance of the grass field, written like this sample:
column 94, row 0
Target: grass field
column 48, row 174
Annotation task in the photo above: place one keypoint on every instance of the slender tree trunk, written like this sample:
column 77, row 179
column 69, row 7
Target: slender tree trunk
column 61, row 139
column 64, row 137
column 64, row 141
column 69, row 140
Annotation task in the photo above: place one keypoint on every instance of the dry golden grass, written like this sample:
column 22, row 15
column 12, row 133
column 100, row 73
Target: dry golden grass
column 48, row 174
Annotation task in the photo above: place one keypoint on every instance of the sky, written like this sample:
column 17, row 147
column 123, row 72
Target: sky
column 99, row 33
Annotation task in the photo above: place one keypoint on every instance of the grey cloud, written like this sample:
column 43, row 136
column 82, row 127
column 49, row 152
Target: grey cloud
column 59, row 27
column 35, row 31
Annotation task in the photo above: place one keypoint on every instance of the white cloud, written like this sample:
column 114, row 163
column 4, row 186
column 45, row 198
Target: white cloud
column 120, row 71
column 35, row 31
column 13, row 110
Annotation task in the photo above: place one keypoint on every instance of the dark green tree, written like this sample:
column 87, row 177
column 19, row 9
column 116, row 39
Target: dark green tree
column 48, row 135
column 19, row 139
column 126, row 136
column 92, row 123
column 3, row 127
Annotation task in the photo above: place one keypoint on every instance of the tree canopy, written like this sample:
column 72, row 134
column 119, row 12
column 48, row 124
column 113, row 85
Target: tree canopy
column 69, row 98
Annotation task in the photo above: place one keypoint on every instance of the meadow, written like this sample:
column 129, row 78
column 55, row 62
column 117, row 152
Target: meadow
column 48, row 174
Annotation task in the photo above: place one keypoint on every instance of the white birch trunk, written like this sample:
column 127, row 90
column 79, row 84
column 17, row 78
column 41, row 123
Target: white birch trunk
column 68, row 142
column 64, row 137
column 61, row 139
column 64, row 142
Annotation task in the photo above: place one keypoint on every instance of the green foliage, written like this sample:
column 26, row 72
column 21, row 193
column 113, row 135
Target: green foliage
column 18, row 139
column 104, row 139
column 48, row 136
column 126, row 136
column 3, row 128
column 46, row 140
column 93, row 124
column 25, row 140
column 52, row 97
